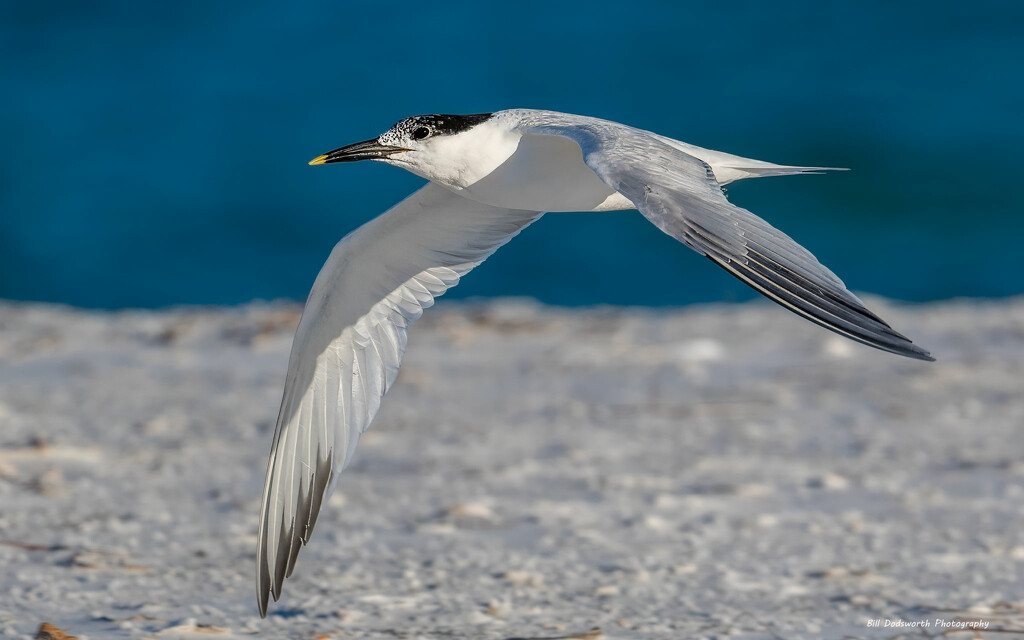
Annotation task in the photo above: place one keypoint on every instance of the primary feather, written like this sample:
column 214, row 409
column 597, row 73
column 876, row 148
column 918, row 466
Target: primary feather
column 349, row 345
column 682, row 196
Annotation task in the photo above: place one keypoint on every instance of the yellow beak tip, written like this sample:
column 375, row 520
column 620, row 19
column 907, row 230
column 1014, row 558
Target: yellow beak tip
column 318, row 160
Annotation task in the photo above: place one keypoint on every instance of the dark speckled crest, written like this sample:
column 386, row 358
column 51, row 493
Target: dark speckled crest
column 436, row 123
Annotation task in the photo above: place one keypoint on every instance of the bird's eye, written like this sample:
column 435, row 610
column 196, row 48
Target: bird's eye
column 420, row 132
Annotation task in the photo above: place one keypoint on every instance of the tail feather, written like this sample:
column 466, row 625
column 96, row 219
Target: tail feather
column 757, row 169
column 729, row 168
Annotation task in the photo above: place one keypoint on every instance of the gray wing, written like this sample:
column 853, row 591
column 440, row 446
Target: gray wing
column 348, row 347
column 680, row 195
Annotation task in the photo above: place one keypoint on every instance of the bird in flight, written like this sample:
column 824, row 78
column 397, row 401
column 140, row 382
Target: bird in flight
column 490, row 176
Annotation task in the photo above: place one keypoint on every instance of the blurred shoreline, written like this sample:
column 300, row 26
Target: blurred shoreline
column 658, row 473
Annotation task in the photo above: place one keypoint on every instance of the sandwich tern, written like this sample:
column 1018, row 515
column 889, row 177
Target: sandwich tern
column 490, row 175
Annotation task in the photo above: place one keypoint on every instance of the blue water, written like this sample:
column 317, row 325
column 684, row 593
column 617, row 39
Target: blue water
column 155, row 153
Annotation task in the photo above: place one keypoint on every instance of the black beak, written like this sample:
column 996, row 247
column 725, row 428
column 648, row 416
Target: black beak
column 368, row 150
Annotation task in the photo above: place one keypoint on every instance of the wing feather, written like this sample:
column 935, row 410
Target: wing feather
column 680, row 194
column 348, row 348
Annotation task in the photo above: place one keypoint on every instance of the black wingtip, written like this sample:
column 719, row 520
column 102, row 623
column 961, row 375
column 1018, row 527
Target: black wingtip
column 908, row 350
column 904, row 347
column 262, row 592
column 917, row 353
column 844, row 315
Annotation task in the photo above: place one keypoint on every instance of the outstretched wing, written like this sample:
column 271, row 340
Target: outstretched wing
column 348, row 347
column 681, row 196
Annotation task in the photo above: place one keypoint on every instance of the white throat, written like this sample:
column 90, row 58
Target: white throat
column 495, row 164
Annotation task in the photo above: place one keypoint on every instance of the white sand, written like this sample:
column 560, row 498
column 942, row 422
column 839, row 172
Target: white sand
column 724, row 471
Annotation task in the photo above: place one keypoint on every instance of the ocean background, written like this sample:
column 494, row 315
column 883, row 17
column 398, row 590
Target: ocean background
column 155, row 154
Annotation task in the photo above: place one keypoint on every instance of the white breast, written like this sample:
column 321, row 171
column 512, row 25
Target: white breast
column 544, row 173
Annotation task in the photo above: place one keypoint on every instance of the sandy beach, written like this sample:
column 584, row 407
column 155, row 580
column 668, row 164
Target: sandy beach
column 707, row 472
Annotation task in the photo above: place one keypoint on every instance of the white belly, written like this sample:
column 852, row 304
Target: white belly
column 545, row 173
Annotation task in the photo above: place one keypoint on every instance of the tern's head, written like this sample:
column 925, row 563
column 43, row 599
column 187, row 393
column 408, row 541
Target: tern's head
column 439, row 147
